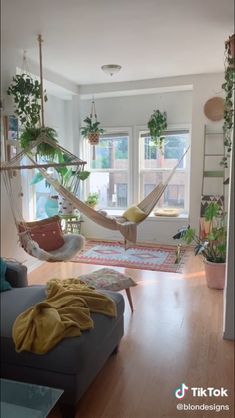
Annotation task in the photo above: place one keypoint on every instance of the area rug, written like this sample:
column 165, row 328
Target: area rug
column 139, row 257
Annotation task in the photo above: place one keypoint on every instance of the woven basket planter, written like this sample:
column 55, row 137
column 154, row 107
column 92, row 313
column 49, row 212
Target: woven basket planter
column 94, row 138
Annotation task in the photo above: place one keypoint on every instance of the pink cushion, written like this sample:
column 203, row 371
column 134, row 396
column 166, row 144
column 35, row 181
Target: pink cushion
column 47, row 233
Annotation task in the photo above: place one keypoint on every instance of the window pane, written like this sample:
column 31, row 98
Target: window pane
column 112, row 152
column 111, row 187
column 174, row 195
column 174, row 147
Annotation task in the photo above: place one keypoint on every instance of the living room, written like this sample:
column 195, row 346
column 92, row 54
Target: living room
column 180, row 330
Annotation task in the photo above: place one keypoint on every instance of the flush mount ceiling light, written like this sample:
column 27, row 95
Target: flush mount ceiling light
column 111, row 68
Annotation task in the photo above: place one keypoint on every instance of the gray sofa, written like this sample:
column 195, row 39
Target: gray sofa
column 74, row 362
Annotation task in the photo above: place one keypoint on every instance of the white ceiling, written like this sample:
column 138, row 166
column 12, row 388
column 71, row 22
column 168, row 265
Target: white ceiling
column 148, row 38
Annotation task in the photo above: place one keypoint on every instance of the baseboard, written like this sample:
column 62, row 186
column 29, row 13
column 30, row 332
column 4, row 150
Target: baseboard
column 33, row 264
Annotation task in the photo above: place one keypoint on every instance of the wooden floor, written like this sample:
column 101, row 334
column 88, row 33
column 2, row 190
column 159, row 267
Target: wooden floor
column 174, row 336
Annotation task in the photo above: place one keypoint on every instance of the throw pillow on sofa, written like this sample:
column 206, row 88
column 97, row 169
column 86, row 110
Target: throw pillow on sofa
column 4, row 284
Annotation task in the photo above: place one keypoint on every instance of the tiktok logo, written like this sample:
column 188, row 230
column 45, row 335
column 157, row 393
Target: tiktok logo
column 181, row 391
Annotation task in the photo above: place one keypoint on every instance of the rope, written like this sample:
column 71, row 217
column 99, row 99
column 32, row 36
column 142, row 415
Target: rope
column 93, row 109
column 41, row 78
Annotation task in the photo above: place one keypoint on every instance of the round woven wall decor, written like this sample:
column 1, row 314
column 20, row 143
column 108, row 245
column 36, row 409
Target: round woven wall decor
column 214, row 108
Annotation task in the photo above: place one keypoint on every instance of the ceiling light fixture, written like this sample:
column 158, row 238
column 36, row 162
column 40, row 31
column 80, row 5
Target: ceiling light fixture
column 111, row 69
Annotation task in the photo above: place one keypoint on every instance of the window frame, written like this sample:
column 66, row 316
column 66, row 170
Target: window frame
column 134, row 167
column 87, row 155
column 180, row 128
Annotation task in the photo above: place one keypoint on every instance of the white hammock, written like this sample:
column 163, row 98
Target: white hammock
column 126, row 228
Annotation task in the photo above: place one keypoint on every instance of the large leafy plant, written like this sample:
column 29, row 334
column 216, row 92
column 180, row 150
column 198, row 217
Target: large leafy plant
column 157, row 125
column 213, row 246
column 68, row 177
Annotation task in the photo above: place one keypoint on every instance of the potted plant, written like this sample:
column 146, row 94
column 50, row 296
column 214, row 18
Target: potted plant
column 91, row 130
column 92, row 199
column 26, row 94
column 228, row 86
column 157, row 124
column 212, row 247
column 69, row 178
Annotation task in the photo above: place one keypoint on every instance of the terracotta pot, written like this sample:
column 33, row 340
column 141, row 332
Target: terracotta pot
column 94, row 138
column 215, row 274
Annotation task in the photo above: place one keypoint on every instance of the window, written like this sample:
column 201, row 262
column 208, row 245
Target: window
column 124, row 172
column 155, row 166
column 109, row 166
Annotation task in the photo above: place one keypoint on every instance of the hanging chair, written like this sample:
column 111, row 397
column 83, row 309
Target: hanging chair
column 44, row 240
column 41, row 239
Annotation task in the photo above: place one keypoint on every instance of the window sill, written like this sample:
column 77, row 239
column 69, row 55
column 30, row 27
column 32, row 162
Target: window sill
column 152, row 217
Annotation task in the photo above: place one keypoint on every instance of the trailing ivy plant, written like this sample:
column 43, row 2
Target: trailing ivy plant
column 26, row 94
column 228, row 86
column 157, row 124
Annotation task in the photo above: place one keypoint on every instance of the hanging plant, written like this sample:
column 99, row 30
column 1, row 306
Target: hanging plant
column 157, row 125
column 228, row 87
column 26, row 94
column 92, row 131
column 44, row 150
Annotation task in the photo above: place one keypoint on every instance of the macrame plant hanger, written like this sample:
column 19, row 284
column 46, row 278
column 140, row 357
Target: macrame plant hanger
column 93, row 137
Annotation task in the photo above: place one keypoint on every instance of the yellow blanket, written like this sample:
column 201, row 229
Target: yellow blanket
column 64, row 313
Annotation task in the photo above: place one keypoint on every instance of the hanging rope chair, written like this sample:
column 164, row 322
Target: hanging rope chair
column 41, row 239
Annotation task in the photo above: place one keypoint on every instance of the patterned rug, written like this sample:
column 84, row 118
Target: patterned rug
column 140, row 257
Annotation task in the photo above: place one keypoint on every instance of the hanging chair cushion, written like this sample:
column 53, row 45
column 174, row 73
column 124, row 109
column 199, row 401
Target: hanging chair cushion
column 47, row 233
column 134, row 214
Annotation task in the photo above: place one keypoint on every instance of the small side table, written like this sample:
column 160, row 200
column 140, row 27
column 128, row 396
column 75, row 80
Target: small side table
column 71, row 224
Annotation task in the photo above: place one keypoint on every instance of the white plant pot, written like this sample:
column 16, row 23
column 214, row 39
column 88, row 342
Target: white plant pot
column 66, row 207
column 215, row 274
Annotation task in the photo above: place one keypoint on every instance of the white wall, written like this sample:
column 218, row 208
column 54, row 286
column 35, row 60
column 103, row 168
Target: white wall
column 136, row 110
column 183, row 108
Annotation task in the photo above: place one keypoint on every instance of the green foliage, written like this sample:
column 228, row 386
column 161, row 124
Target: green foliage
column 25, row 92
column 213, row 246
column 91, row 127
column 92, row 199
column 157, row 124
column 228, row 86
column 65, row 174
column 43, row 150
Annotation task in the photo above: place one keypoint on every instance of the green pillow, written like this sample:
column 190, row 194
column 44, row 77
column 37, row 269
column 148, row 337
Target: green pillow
column 4, row 284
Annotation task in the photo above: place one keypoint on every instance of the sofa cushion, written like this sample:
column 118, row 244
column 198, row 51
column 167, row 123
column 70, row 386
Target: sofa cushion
column 71, row 355
column 4, row 284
